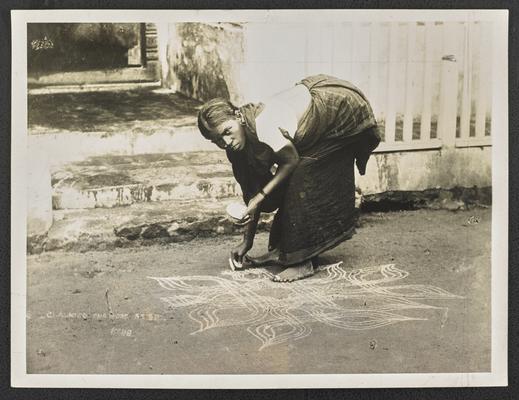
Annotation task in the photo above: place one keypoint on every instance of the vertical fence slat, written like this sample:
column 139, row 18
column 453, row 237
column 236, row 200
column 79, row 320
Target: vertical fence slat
column 342, row 50
column 349, row 49
column 425, row 123
column 306, row 55
column 484, row 78
column 355, row 53
column 390, row 119
column 448, row 87
column 326, row 34
column 332, row 49
column 374, row 65
column 409, row 90
column 467, row 84
column 499, row 88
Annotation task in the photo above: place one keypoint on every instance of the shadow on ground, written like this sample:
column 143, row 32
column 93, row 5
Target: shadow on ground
column 108, row 111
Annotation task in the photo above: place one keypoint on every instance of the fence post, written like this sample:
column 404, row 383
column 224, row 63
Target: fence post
column 390, row 112
column 448, row 89
column 374, row 56
column 485, row 79
column 466, row 101
column 425, row 124
column 410, row 83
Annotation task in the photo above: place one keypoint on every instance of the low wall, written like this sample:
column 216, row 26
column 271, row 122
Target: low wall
column 429, row 169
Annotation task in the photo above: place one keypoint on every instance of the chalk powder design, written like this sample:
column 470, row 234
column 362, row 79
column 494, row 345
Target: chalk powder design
column 276, row 313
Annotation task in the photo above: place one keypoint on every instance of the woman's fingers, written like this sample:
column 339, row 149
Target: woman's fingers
column 237, row 257
column 244, row 221
column 246, row 214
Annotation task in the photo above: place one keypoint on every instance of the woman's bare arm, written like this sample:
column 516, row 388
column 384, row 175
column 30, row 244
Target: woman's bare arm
column 287, row 159
column 250, row 229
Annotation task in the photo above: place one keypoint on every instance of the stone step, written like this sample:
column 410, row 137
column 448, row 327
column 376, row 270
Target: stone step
column 113, row 181
column 145, row 223
column 138, row 224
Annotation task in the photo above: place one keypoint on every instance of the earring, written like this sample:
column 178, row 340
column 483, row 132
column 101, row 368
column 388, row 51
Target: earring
column 239, row 116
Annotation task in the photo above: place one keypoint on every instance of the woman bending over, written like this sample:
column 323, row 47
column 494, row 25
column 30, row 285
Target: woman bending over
column 296, row 153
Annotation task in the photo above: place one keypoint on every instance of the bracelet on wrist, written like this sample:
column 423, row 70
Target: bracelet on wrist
column 262, row 193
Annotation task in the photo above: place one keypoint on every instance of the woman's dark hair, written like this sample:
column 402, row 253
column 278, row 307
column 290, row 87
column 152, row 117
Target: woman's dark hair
column 213, row 113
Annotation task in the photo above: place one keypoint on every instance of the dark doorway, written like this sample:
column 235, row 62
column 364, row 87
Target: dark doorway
column 83, row 47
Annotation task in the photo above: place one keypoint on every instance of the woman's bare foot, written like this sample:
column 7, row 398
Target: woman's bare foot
column 269, row 258
column 295, row 272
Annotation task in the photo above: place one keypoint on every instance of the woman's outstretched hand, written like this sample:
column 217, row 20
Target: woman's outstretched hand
column 239, row 251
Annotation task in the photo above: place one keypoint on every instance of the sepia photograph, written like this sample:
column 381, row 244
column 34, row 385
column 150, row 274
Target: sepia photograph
column 304, row 198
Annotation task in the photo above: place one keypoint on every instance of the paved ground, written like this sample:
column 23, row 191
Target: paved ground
column 412, row 295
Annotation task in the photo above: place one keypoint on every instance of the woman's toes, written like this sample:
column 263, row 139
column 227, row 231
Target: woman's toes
column 292, row 274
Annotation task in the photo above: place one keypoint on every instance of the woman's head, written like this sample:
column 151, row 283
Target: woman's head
column 220, row 121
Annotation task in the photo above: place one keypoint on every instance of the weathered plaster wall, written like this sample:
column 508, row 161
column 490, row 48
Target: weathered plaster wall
column 204, row 60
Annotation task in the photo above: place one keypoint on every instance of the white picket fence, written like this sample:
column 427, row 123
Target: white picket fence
column 428, row 82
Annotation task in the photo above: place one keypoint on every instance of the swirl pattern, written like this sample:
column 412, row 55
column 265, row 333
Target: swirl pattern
column 274, row 313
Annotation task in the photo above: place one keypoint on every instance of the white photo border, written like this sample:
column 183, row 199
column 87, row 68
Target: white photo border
column 499, row 270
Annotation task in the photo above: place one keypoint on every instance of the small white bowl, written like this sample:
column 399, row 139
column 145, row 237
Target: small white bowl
column 236, row 211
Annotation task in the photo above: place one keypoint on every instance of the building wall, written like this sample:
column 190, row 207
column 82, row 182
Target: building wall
column 204, row 60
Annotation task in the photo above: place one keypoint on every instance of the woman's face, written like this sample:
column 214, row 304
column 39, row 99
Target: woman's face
column 229, row 135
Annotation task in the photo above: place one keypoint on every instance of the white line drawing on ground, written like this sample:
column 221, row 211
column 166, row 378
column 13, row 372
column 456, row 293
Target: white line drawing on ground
column 275, row 313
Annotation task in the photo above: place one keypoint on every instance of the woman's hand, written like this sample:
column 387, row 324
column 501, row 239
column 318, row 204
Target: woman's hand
column 239, row 251
column 252, row 208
